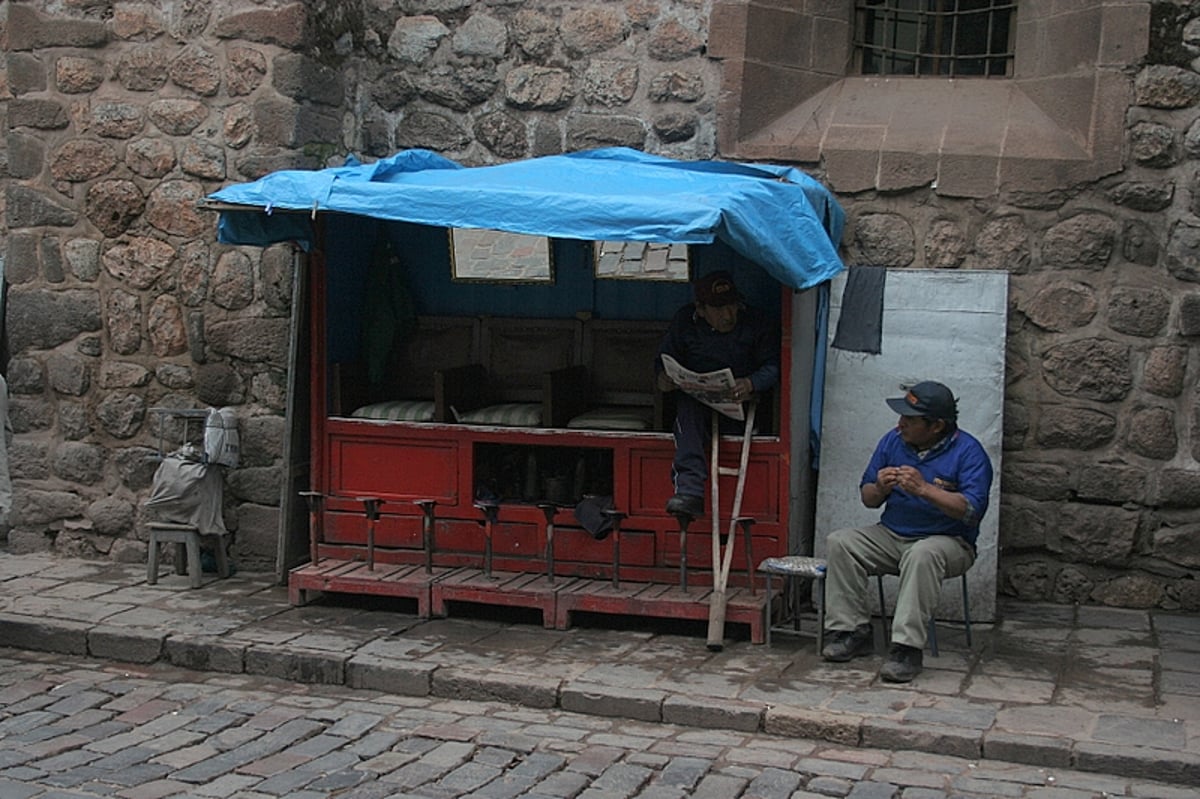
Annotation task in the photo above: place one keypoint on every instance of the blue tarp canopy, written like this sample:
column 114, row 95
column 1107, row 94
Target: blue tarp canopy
column 776, row 216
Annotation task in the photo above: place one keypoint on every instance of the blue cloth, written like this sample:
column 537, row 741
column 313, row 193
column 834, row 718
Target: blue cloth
column 958, row 463
column 778, row 217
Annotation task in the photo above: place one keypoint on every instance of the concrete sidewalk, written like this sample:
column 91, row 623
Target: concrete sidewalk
column 1092, row 689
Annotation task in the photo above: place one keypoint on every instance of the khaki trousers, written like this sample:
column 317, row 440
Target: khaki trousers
column 855, row 554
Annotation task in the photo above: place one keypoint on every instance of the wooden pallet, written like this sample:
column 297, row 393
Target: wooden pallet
column 353, row 577
column 557, row 602
column 512, row 589
column 658, row 600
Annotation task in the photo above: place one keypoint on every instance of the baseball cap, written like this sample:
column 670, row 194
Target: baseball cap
column 927, row 398
column 716, row 288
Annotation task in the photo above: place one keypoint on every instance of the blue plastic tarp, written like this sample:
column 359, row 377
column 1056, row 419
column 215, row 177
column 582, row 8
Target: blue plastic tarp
column 776, row 216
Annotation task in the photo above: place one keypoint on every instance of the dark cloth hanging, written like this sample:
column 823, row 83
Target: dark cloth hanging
column 860, row 325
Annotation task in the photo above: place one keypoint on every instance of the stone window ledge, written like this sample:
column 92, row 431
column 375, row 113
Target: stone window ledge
column 967, row 138
column 787, row 96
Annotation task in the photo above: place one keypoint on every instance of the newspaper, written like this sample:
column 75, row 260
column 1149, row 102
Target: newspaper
column 711, row 388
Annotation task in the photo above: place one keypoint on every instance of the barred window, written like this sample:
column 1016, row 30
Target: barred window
column 950, row 38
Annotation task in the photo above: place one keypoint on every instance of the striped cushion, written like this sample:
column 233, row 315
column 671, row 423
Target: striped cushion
column 508, row 414
column 397, row 411
column 613, row 418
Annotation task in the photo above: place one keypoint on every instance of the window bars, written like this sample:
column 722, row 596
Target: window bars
column 947, row 38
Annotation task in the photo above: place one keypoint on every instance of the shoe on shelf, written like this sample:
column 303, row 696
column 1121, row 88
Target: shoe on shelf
column 685, row 505
column 844, row 645
column 902, row 664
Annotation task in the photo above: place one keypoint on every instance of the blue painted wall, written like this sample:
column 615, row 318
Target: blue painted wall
column 424, row 254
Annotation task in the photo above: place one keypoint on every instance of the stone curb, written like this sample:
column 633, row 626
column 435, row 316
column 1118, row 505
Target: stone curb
column 413, row 678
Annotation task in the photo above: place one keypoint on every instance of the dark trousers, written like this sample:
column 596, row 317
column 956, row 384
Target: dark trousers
column 693, row 434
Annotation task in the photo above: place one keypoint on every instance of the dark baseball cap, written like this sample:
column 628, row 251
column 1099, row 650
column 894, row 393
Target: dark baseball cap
column 716, row 288
column 929, row 399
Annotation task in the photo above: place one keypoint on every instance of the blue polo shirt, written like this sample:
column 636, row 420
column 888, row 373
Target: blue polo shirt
column 956, row 463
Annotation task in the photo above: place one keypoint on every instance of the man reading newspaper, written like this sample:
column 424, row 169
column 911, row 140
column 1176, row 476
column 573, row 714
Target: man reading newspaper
column 721, row 353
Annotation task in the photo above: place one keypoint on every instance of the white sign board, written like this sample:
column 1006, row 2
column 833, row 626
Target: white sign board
column 944, row 325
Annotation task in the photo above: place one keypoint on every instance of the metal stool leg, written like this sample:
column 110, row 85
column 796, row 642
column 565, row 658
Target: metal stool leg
column 427, row 507
column 883, row 618
column 767, row 611
column 490, row 511
column 821, row 616
column 371, row 509
column 684, row 519
column 966, row 609
column 616, row 517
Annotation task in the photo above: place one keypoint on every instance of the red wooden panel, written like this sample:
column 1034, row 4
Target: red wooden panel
column 650, row 481
column 387, row 467
column 576, row 545
column 350, row 527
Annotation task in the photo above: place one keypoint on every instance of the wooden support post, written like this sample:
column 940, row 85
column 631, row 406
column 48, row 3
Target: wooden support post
column 427, row 509
column 316, row 519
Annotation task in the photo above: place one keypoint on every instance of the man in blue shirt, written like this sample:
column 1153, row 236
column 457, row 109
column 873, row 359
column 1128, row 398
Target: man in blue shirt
column 717, row 332
column 932, row 480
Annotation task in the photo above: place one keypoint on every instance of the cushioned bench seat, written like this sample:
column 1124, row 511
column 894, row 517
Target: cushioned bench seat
column 614, row 418
column 505, row 414
column 397, row 411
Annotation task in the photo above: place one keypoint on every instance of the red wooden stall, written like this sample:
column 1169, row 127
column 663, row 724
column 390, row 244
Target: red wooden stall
column 635, row 571
column 415, row 492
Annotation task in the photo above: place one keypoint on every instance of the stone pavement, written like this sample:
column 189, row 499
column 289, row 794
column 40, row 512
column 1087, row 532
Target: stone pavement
column 1090, row 689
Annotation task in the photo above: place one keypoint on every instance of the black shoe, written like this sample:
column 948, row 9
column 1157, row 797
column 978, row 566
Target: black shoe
column 685, row 505
column 844, row 645
column 903, row 663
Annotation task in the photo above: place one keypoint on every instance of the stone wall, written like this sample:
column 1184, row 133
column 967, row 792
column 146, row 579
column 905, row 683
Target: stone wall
column 120, row 116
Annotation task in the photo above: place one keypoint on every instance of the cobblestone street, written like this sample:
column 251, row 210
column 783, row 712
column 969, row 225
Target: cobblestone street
column 72, row 728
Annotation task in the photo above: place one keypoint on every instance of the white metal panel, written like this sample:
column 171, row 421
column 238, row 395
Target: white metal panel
column 939, row 325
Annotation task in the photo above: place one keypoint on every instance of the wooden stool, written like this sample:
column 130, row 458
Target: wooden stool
column 186, row 539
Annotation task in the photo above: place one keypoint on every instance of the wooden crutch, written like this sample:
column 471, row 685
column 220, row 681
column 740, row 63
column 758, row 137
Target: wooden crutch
column 722, row 560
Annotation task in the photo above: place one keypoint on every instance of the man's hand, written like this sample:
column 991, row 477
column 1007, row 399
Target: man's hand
column 875, row 494
column 742, row 389
column 888, row 478
column 909, row 480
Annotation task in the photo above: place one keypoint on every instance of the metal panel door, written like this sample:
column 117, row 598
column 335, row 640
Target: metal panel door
column 944, row 325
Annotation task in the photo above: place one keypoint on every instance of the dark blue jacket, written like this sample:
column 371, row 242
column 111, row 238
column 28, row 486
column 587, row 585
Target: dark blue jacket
column 750, row 350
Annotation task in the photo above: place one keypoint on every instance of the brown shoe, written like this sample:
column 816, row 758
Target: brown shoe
column 844, row 645
column 903, row 664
